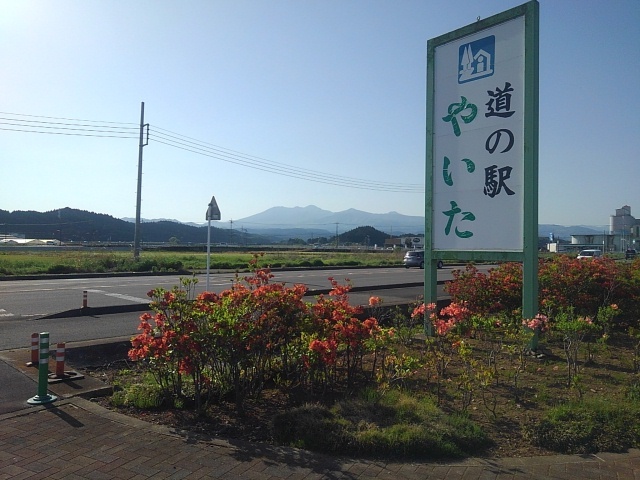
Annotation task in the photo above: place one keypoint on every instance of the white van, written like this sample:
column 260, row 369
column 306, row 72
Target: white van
column 590, row 254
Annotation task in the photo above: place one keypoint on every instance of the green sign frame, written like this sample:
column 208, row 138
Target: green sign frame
column 529, row 252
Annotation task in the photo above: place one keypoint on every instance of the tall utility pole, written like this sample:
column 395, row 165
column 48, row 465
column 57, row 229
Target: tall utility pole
column 136, row 235
column 337, row 241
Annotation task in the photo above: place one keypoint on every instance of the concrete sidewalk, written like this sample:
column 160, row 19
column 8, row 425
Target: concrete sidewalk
column 75, row 438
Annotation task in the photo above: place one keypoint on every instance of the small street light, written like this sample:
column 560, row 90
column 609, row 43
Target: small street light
column 213, row 213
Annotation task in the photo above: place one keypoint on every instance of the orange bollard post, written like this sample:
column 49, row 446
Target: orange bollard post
column 35, row 349
column 60, row 360
column 84, row 299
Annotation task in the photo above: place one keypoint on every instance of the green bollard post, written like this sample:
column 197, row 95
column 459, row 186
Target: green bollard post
column 43, row 374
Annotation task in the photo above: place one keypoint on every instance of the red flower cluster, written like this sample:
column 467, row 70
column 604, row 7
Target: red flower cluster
column 236, row 340
column 540, row 323
column 564, row 282
column 340, row 337
column 327, row 350
column 450, row 316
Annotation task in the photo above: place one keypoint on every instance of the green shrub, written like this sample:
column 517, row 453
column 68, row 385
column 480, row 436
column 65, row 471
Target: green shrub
column 351, row 263
column 143, row 266
column 380, row 424
column 633, row 392
column 466, row 434
column 61, row 269
column 223, row 266
column 118, row 398
column 312, row 427
column 139, row 395
column 406, row 440
column 588, row 427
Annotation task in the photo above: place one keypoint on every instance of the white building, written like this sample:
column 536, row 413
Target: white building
column 624, row 232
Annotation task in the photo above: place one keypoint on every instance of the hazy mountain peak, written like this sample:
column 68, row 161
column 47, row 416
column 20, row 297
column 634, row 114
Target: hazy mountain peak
column 315, row 219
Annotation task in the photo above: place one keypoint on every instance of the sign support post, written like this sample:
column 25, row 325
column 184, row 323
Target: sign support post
column 530, row 253
column 213, row 213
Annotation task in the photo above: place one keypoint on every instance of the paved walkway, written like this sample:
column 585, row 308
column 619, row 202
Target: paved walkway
column 75, row 438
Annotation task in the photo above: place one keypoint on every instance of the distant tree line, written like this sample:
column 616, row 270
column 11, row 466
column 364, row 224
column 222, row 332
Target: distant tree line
column 72, row 225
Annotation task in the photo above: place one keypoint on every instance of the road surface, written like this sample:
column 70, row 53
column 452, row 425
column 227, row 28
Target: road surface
column 26, row 306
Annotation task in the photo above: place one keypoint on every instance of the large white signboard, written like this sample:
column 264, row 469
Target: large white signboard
column 478, row 140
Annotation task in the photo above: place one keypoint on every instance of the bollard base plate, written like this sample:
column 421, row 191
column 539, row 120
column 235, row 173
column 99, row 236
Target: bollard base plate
column 39, row 400
column 68, row 375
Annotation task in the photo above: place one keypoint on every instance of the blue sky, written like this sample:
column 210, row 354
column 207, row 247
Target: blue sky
column 294, row 103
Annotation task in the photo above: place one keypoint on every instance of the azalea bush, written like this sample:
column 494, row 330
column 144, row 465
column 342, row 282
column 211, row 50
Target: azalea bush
column 584, row 286
column 256, row 333
column 497, row 292
column 501, row 338
column 477, row 355
column 577, row 298
column 448, row 326
column 627, row 295
column 580, row 300
column 564, row 282
column 339, row 339
column 574, row 330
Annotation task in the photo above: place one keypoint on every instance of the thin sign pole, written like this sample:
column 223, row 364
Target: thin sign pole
column 208, row 249
column 213, row 213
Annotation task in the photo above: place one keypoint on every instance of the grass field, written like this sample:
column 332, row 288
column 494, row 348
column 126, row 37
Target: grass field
column 58, row 262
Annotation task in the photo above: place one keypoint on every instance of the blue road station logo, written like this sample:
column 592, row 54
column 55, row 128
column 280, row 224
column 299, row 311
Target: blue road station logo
column 476, row 59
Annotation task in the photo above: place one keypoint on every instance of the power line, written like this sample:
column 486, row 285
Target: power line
column 59, row 123
column 300, row 174
column 107, row 129
column 62, row 128
column 63, row 133
column 90, row 128
column 270, row 163
column 315, row 177
column 64, row 118
column 213, row 151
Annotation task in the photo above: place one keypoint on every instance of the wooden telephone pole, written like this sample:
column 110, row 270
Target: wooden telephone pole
column 136, row 234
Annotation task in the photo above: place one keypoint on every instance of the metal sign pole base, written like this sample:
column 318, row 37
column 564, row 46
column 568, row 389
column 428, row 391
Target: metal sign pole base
column 38, row 400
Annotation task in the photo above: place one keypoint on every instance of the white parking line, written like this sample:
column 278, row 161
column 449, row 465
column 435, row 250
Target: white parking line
column 121, row 296
column 4, row 313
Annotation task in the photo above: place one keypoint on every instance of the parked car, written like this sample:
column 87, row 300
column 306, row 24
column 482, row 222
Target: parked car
column 415, row 258
column 630, row 254
column 590, row 253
